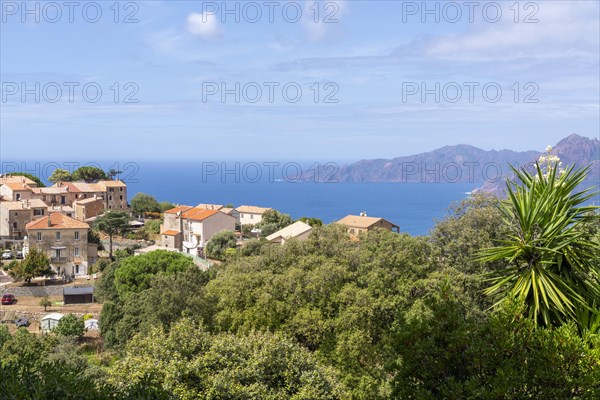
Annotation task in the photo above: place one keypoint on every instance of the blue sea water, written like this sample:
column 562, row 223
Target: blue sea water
column 412, row 206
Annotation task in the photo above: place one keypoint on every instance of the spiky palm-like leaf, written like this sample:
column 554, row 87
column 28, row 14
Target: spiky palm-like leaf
column 554, row 267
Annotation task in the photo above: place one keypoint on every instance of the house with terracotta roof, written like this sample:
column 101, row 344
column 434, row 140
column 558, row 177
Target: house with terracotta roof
column 54, row 195
column 190, row 228
column 17, row 179
column 15, row 191
column 171, row 230
column 250, row 215
column 65, row 242
column 114, row 193
column 362, row 223
column 15, row 215
column 210, row 206
column 298, row 230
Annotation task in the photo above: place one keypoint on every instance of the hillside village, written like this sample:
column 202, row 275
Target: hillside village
column 60, row 221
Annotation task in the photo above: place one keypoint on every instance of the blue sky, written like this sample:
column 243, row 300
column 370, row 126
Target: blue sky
column 370, row 56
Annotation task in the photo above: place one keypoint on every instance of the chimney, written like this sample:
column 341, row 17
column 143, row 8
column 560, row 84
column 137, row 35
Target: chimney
column 49, row 224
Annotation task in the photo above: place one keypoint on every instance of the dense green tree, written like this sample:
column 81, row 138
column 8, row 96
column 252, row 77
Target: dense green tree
column 166, row 205
column 444, row 353
column 314, row 222
column 219, row 243
column 70, row 325
column 168, row 299
column 253, row 247
column 473, row 225
column 272, row 221
column 144, row 203
column 192, row 364
column 112, row 223
column 152, row 227
column 88, row 174
column 113, row 173
column 60, row 175
column 35, row 264
column 134, row 274
column 32, row 369
column 553, row 265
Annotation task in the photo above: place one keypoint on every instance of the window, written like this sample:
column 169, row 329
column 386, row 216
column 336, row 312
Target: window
column 110, row 197
column 76, row 251
column 76, row 269
column 18, row 196
column 44, row 197
column 76, row 235
column 63, row 200
column 39, row 236
column 251, row 216
column 352, row 230
column 120, row 189
column 120, row 197
column 111, row 190
column 39, row 211
column 57, row 235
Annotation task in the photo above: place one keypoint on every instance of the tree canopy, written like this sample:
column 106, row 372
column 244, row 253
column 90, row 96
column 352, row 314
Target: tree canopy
column 88, row 174
column 144, row 203
column 112, row 223
column 218, row 245
column 35, row 264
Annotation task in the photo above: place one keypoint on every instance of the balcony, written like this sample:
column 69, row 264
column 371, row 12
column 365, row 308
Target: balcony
column 58, row 259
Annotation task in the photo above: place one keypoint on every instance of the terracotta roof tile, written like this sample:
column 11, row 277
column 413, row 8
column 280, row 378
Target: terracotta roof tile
column 177, row 209
column 17, row 186
column 16, row 179
column 116, row 183
column 57, row 221
column 170, row 232
column 355, row 221
column 23, row 204
column 198, row 214
column 252, row 209
column 209, row 206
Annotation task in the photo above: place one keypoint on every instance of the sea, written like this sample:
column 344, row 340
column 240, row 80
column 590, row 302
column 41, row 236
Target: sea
column 415, row 207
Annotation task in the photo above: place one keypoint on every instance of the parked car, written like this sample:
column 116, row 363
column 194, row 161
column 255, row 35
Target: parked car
column 19, row 255
column 7, row 255
column 23, row 321
column 7, row 299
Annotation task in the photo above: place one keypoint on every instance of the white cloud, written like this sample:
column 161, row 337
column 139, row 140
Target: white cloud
column 321, row 18
column 564, row 29
column 203, row 25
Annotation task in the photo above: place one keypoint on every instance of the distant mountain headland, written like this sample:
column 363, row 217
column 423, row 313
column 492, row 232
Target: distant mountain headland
column 460, row 163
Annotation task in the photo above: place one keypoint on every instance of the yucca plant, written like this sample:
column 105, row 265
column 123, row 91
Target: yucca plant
column 552, row 265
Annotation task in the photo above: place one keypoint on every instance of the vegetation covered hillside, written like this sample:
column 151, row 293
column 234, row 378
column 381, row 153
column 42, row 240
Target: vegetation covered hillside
column 500, row 301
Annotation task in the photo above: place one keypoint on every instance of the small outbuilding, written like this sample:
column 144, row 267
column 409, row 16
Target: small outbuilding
column 78, row 294
column 50, row 322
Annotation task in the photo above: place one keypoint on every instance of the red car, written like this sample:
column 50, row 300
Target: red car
column 8, row 299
